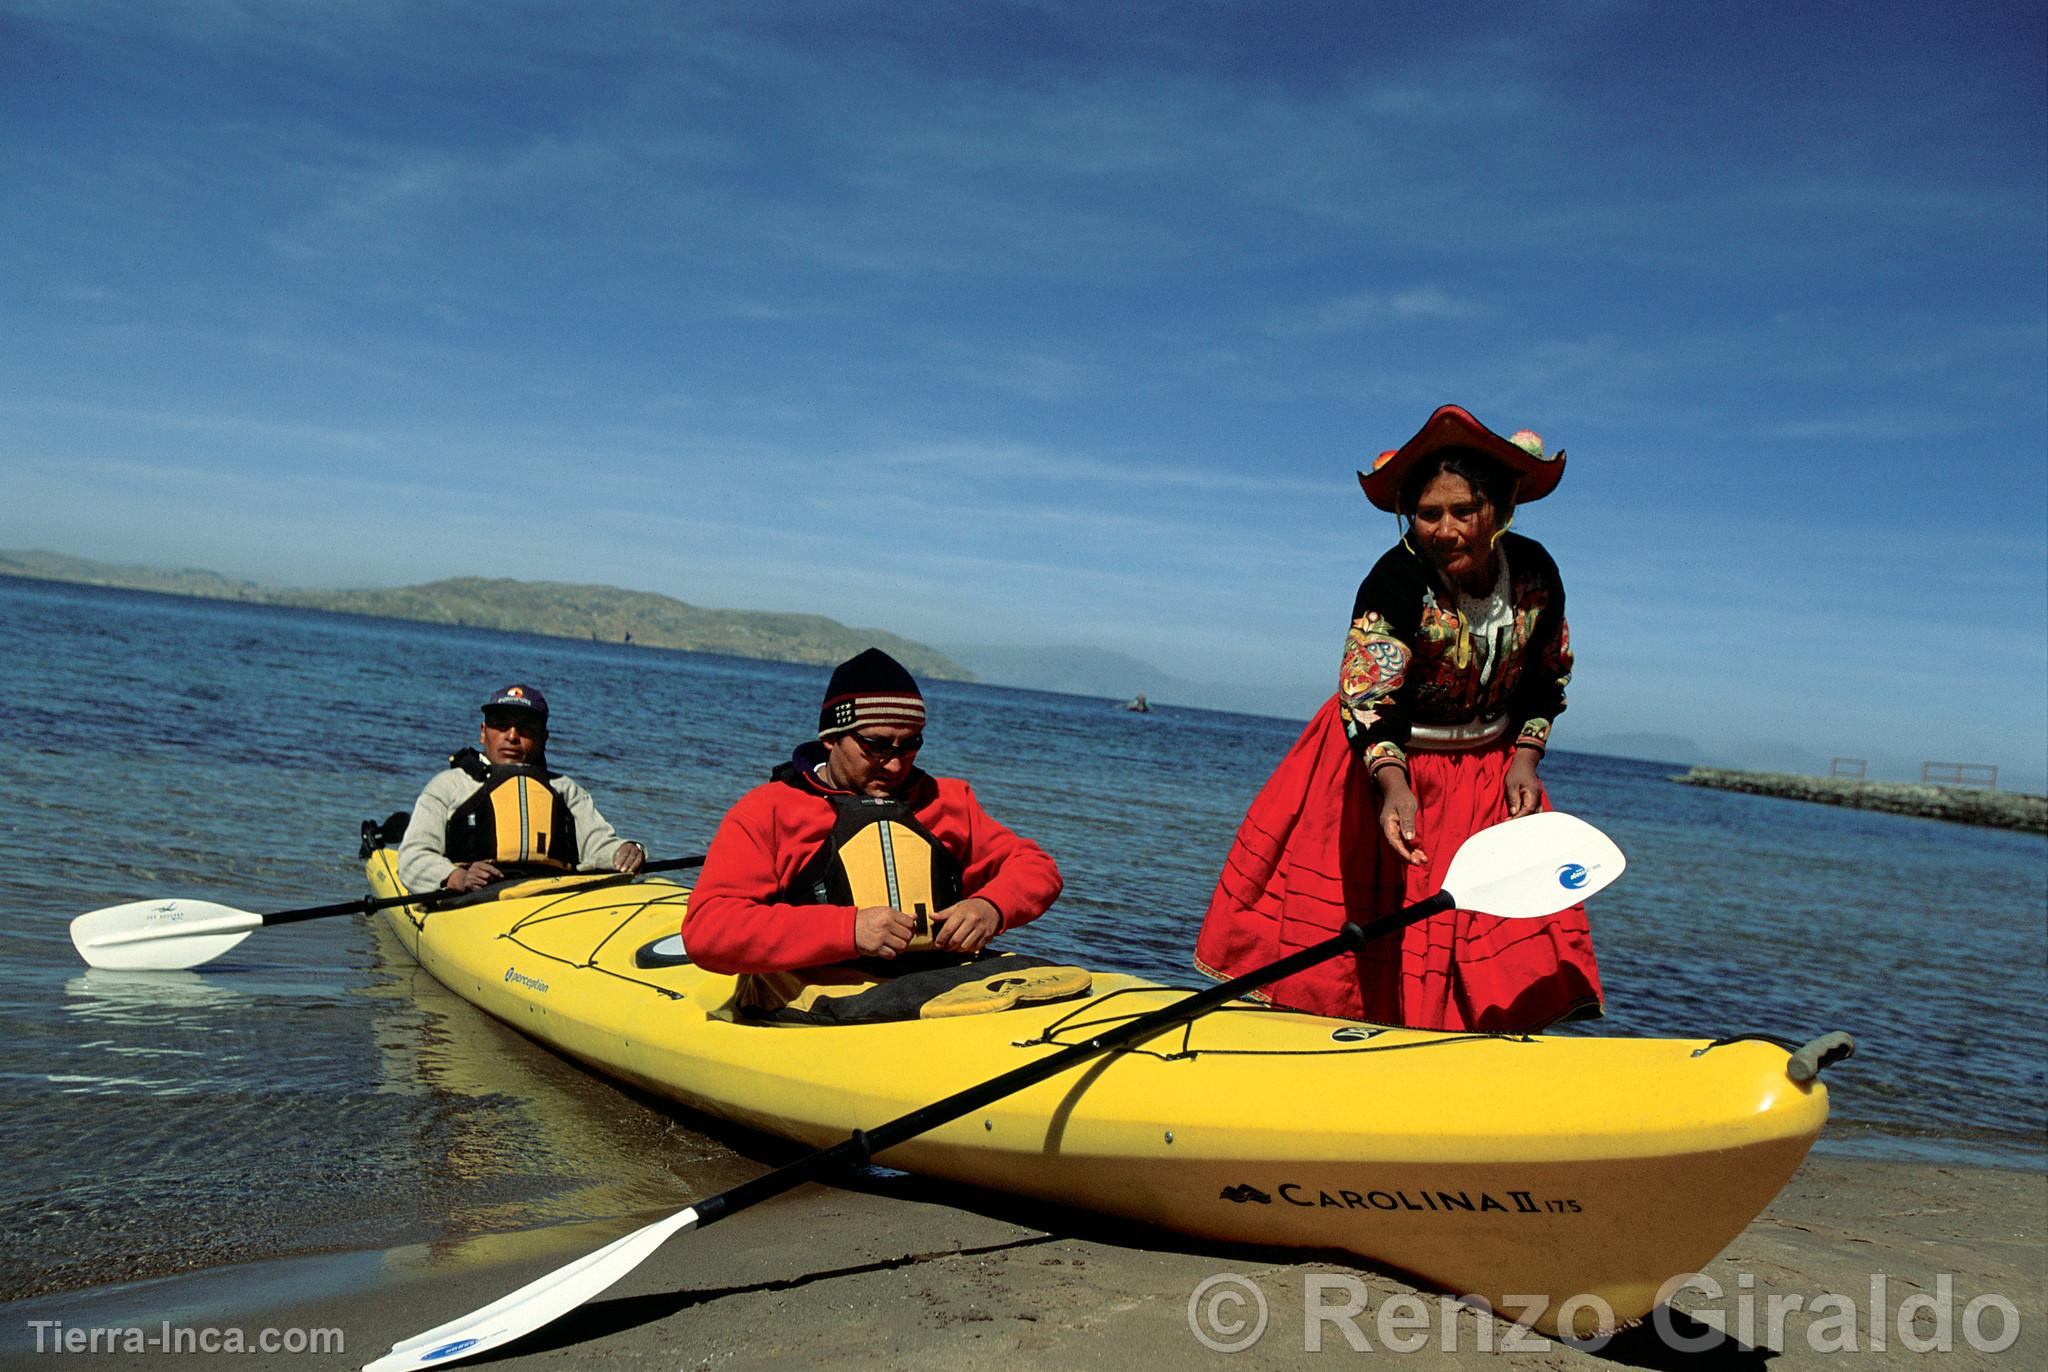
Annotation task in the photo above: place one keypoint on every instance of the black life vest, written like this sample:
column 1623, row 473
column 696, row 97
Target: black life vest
column 877, row 854
column 515, row 818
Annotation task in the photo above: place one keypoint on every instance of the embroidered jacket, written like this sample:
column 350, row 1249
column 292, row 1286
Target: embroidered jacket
column 1414, row 657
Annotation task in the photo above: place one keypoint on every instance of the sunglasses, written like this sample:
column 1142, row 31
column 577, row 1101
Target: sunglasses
column 881, row 750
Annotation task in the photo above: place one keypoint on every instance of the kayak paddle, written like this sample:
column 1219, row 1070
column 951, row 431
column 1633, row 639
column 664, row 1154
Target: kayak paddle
column 1524, row 868
column 168, row 935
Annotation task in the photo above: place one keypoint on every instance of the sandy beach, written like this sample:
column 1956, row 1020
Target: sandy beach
column 1882, row 1264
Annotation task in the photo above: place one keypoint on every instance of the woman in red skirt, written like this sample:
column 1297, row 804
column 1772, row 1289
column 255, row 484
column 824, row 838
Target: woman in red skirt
column 1453, row 671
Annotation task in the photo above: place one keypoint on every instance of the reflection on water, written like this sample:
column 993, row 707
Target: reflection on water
column 313, row 1091
column 153, row 1033
column 601, row 1152
column 150, row 998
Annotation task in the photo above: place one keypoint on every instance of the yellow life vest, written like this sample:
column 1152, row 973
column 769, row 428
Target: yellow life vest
column 878, row 854
column 515, row 818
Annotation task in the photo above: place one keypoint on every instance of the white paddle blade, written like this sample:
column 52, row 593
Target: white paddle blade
column 539, row 1302
column 160, row 935
column 1533, row 866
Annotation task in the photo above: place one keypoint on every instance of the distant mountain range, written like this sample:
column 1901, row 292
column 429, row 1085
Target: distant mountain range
column 554, row 608
column 1643, row 747
column 613, row 615
column 1751, row 753
column 1074, row 671
column 1119, row 676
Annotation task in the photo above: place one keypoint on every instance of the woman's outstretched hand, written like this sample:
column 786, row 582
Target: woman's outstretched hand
column 1398, row 808
column 1524, row 791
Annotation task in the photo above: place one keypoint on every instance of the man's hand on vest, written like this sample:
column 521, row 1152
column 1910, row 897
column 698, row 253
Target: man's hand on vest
column 472, row 877
column 630, row 857
column 968, row 926
column 882, row 931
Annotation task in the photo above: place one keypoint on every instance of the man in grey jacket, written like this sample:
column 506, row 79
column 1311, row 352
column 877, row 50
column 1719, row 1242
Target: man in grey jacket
column 499, row 810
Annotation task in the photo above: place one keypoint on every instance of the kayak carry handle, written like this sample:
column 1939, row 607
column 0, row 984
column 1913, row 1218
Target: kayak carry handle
column 1808, row 1062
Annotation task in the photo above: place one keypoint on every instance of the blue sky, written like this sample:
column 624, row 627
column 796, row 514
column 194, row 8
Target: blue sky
column 1053, row 323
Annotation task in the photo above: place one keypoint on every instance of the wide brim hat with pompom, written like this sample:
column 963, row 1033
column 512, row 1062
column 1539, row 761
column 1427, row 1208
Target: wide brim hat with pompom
column 1454, row 427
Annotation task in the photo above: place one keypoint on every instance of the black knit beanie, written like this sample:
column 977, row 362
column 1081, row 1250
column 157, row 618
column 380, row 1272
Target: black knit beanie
column 870, row 688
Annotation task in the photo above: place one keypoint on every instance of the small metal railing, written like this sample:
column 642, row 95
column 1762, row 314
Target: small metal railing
column 1983, row 774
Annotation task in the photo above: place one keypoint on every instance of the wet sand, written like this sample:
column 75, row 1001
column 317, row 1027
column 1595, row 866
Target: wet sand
column 1883, row 1264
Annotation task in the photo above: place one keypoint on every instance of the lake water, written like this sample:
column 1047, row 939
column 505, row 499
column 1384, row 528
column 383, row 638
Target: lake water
column 313, row 1092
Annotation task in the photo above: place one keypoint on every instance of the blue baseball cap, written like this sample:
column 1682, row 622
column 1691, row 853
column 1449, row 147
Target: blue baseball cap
column 518, row 698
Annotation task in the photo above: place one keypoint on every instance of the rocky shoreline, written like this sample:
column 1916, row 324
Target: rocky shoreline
column 1957, row 804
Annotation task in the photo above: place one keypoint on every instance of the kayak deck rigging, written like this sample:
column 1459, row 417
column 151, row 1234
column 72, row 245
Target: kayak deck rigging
column 1062, row 1033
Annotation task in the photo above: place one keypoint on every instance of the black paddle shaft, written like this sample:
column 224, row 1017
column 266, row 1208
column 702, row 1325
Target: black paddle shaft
column 365, row 905
column 864, row 1144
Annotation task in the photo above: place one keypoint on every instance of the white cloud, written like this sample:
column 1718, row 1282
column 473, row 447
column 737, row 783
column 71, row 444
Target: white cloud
column 973, row 462
column 1360, row 311
column 1429, row 302
column 1035, row 376
column 240, row 428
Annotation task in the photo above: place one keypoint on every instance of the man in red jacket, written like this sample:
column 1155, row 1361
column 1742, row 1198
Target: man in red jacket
column 849, row 851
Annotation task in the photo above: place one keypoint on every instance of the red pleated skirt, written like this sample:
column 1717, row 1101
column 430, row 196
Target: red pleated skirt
column 1309, row 857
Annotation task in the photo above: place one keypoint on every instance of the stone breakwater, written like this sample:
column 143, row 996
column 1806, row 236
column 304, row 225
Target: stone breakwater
column 1960, row 804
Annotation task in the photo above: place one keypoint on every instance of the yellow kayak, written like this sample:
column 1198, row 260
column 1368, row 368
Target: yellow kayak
column 1582, row 1171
